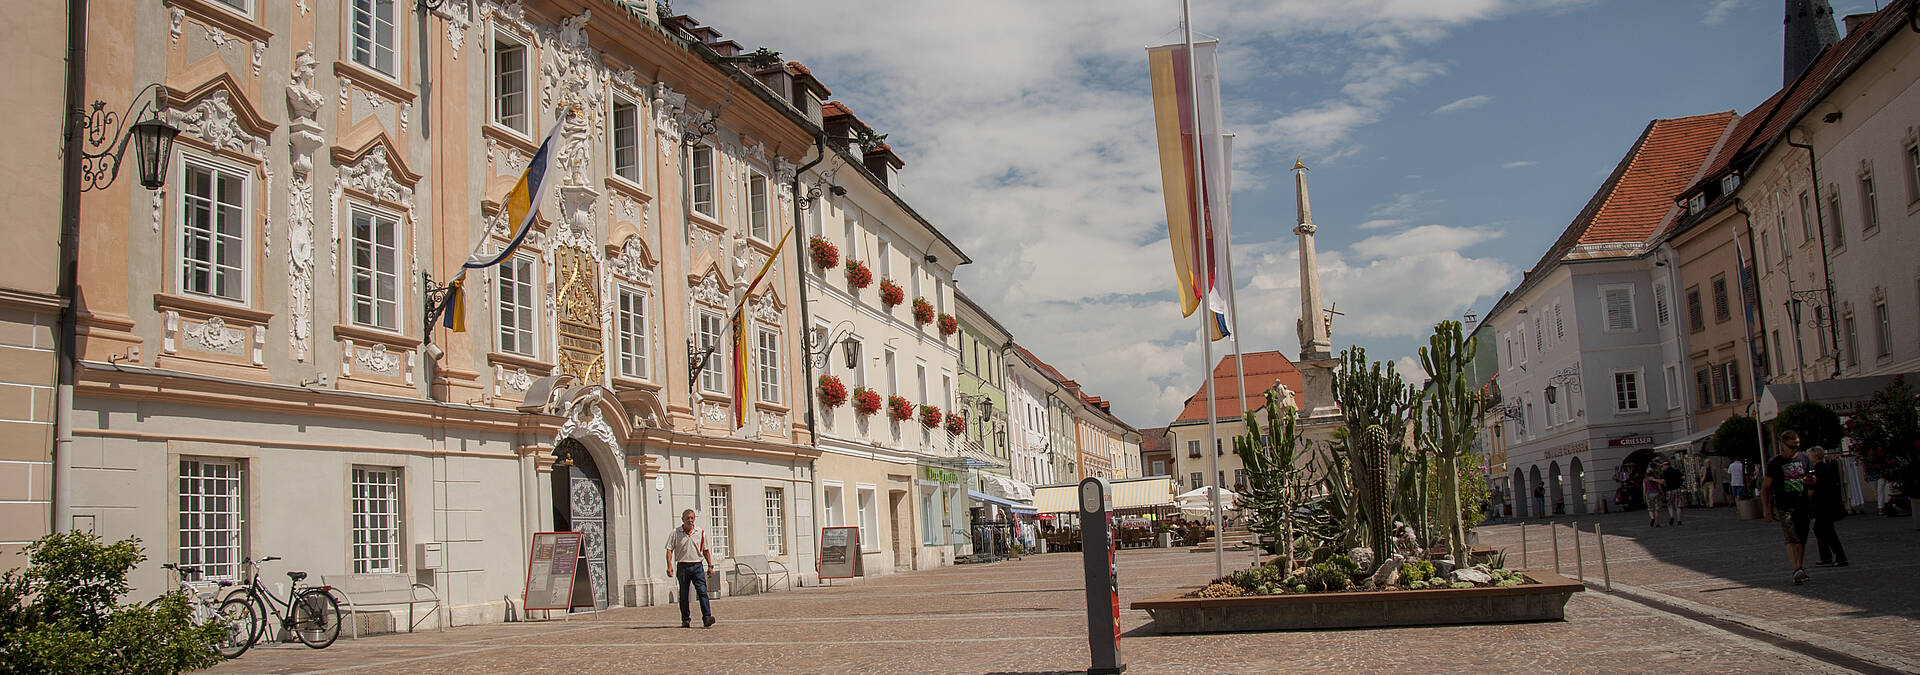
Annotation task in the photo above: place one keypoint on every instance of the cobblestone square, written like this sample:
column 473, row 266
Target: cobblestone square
column 1026, row 616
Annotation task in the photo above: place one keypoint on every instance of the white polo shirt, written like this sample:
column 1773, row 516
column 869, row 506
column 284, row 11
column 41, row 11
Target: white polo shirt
column 688, row 548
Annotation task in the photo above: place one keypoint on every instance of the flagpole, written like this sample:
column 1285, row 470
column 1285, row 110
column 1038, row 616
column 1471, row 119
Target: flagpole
column 1205, row 269
column 1746, row 326
column 1233, row 306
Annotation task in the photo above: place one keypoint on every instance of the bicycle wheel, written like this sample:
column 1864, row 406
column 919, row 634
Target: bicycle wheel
column 316, row 618
column 237, row 617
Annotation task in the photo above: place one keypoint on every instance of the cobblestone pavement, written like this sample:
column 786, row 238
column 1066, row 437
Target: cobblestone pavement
column 1027, row 616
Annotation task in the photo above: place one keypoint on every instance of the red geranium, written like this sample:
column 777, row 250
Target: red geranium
column 832, row 391
column 899, row 408
column 824, row 253
column 866, row 401
column 956, row 425
column 891, row 294
column 922, row 311
column 948, row 324
column 930, row 416
column 858, row 274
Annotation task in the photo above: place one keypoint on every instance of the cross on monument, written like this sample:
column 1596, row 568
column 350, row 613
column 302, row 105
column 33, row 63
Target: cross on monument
column 1331, row 312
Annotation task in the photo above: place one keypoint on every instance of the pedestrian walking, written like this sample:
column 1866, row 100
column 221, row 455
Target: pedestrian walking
column 1539, row 500
column 1673, row 484
column 1710, row 487
column 1737, row 477
column 1783, row 498
column 1829, row 506
column 1651, row 487
column 692, row 562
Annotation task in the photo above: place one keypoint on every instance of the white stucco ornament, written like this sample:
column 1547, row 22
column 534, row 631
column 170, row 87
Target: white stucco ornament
column 215, row 335
column 213, row 120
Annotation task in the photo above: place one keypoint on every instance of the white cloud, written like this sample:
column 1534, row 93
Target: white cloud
column 1464, row 104
column 1720, row 10
column 1028, row 139
column 1518, row 164
column 1380, row 224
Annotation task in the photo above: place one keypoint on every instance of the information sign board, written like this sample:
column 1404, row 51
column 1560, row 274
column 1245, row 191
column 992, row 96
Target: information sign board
column 551, row 566
column 840, row 553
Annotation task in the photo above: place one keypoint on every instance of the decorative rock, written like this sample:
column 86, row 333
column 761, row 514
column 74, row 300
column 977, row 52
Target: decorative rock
column 1472, row 576
column 1443, row 567
column 1389, row 572
column 1362, row 556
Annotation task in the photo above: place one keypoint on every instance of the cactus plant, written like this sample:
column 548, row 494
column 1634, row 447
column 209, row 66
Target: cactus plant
column 1375, row 402
column 1276, row 476
column 1450, row 420
column 1371, row 468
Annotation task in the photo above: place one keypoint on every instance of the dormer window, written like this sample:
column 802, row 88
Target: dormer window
column 1729, row 183
column 1697, row 203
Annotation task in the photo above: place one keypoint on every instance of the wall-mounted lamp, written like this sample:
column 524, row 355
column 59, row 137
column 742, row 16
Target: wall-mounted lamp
column 837, row 191
column 1831, row 117
column 931, row 258
column 152, row 143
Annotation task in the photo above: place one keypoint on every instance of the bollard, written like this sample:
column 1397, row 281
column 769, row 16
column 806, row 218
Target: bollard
column 1523, row 546
column 1579, row 559
column 1606, row 574
column 1553, row 531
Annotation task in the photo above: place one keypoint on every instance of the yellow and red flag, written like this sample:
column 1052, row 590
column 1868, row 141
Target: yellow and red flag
column 1184, row 94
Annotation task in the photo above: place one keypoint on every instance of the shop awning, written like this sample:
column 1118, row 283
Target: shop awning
column 1016, row 507
column 1684, row 441
column 1844, row 395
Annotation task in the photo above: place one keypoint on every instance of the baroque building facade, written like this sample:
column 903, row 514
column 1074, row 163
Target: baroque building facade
column 256, row 375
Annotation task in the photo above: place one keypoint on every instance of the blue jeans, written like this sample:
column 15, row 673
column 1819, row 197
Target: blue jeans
column 694, row 573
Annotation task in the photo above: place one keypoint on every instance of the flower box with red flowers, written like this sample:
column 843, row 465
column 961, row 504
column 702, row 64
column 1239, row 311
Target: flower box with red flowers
column 922, row 311
column 930, row 416
column 866, row 401
column 899, row 408
column 956, row 425
column 824, row 253
column 948, row 324
column 832, row 391
column 858, row 274
column 891, row 294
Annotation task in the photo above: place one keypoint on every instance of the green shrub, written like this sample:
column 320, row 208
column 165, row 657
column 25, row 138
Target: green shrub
column 1416, row 571
column 60, row 614
column 1816, row 423
column 1736, row 437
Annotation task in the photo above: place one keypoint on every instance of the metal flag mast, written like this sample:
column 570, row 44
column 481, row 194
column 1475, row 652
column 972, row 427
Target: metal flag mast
column 1205, row 258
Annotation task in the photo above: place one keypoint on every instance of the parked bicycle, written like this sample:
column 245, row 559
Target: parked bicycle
column 233, row 613
column 312, row 614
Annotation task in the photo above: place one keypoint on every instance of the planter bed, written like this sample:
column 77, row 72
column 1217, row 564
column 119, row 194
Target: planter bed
column 1543, row 598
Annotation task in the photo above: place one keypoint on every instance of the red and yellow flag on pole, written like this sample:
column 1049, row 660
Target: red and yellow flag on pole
column 741, row 346
column 1192, row 225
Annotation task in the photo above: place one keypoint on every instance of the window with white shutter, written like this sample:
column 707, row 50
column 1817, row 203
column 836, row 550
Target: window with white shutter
column 1617, row 302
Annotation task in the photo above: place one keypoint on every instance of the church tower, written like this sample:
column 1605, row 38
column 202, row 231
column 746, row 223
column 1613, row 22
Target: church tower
column 1809, row 29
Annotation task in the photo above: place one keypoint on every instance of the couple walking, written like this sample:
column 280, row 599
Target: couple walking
column 1802, row 491
column 1663, row 486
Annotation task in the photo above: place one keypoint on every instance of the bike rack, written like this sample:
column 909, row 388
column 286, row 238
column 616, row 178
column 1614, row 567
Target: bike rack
column 412, row 600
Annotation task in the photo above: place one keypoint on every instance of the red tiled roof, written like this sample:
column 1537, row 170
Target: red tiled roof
column 1659, row 168
column 1092, row 403
column 1154, row 439
column 1770, row 119
column 1264, row 369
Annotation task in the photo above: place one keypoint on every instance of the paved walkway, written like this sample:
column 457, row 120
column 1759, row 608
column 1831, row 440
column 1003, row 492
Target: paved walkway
column 1719, row 603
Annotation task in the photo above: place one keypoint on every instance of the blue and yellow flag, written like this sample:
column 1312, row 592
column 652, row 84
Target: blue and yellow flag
column 522, row 207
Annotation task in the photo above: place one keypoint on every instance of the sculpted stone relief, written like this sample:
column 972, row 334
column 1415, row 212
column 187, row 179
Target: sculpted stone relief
column 303, row 139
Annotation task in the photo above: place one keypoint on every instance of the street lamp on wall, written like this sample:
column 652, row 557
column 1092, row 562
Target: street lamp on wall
column 106, row 142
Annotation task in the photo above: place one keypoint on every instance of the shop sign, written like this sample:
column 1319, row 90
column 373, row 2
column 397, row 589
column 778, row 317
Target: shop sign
column 1568, row 449
column 941, row 475
column 1631, row 441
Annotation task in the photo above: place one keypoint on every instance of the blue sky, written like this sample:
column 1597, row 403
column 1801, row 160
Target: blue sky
column 1451, row 141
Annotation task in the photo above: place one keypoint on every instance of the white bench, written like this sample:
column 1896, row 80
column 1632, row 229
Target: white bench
column 369, row 593
column 761, row 572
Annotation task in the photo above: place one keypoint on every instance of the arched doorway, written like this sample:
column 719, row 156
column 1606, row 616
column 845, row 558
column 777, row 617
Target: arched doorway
column 1556, row 489
column 580, row 505
column 1518, row 495
column 1577, row 485
column 1536, row 492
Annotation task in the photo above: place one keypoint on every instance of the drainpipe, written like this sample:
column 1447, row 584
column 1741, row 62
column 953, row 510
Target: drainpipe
column 800, row 258
column 1826, row 267
column 64, row 353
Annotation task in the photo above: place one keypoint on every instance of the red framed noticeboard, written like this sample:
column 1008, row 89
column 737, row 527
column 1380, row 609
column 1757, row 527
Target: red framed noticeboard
column 840, row 553
column 550, row 571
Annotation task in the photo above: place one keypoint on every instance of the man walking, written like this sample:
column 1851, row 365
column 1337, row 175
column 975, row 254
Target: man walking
column 1783, row 498
column 687, row 553
column 1737, row 478
column 1674, row 485
column 1829, row 505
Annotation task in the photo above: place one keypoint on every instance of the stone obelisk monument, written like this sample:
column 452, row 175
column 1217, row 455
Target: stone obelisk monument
column 1316, row 362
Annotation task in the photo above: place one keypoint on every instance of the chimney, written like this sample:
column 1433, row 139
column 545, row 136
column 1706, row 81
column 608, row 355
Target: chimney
column 1857, row 21
column 1809, row 30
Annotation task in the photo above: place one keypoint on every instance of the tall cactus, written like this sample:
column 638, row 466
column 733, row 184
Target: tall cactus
column 1371, row 464
column 1451, row 419
column 1376, row 402
column 1275, row 474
